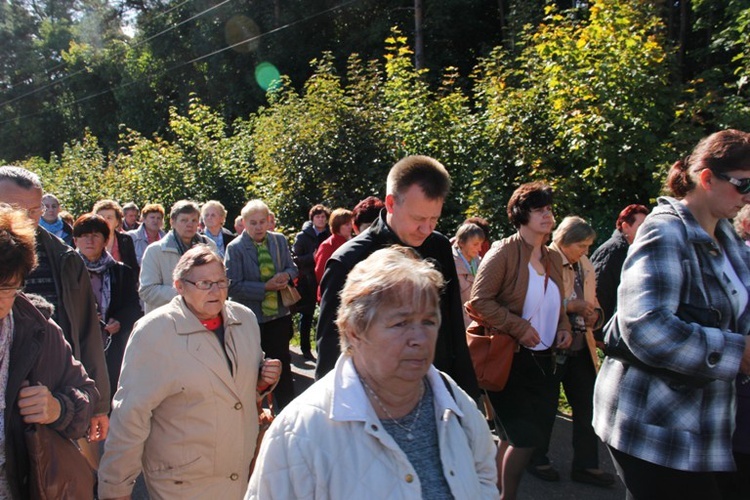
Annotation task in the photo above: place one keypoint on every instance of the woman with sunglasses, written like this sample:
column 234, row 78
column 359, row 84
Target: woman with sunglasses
column 518, row 291
column 664, row 398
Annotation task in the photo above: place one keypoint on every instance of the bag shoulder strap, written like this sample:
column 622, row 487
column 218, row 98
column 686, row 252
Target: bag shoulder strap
column 450, row 391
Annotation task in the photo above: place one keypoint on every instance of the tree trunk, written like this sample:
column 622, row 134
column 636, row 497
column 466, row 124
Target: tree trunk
column 418, row 35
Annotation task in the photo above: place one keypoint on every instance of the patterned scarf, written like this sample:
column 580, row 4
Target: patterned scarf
column 181, row 248
column 270, row 305
column 100, row 267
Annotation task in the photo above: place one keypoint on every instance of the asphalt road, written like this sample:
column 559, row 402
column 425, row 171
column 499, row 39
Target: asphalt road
column 531, row 487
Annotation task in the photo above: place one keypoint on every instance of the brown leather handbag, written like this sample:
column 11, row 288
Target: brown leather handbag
column 491, row 354
column 58, row 468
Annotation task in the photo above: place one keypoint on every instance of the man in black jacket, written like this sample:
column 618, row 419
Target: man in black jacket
column 416, row 189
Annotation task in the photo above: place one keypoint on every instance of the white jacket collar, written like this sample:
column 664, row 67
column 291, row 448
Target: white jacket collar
column 350, row 403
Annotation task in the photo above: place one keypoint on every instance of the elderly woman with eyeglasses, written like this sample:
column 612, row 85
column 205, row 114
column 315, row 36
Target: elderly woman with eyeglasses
column 664, row 400
column 518, row 291
column 40, row 382
column 384, row 423
column 185, row 412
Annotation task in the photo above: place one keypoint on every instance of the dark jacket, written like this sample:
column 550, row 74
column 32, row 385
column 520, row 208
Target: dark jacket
column 125, row 307
column 127, row 251
column 451, row 352
column 76, row 312
column 303, row 251
column 40, row 355
column 608, row 260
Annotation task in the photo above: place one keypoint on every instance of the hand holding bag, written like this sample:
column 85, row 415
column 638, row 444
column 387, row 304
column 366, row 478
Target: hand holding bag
column 58, row 468
column 265, row 418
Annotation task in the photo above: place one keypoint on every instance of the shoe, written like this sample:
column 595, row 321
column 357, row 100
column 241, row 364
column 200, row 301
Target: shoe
column 601, row 478
column 308, row 355
column 544, row 472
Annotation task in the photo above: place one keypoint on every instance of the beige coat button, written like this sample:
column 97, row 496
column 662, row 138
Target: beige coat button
column 409, row 478
column 238, row 406
column 234, row 477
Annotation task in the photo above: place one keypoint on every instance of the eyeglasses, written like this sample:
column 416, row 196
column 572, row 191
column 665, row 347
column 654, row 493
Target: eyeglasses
column 206, row 284
column 543, row 210
column 10, row 291
column 741, row 185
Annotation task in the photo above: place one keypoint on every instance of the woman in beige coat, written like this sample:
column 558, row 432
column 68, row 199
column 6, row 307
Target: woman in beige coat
column 185, row 412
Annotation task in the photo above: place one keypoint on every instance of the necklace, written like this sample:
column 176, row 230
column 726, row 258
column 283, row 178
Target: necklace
column 408, row 430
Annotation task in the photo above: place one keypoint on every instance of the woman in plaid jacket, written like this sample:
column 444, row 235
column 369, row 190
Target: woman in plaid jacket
column 664, row 398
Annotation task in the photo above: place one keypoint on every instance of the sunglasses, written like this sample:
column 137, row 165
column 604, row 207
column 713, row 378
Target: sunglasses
column 741, row 185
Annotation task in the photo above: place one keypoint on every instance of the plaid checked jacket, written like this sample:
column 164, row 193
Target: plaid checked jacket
column 642, row 414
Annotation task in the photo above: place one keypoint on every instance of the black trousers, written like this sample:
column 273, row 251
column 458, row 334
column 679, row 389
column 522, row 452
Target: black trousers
column 577, row 376
column 274, row 340
column 646, row 481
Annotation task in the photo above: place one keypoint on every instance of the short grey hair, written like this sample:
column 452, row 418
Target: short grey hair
column 214, row 204
column 573, row 229
column 742, row 216
column 199, row 255
column 21, row 177
column 387, row 278
column 183, row 207
column 254, row 206
column 468, row 231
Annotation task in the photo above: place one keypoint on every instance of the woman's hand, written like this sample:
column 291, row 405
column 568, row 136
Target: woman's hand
column 580, row 307
column 113, row 326
column 278, row 282
column 563, row 339
column 98, row 428
column 37, row 404
column 529, row 338
column 270, row 371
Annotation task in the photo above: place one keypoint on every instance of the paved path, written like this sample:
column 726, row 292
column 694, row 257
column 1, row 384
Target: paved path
column 531, row 487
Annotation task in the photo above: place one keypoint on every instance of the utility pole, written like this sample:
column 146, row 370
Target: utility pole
column 418, row 35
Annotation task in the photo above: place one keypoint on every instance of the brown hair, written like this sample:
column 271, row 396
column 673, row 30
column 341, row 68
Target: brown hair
column 427, row 173
column 152, row 208
column 339, row 217
column 91, row 223
column 367, row 210
column 17, row 244
column 527, row 197
column 720, row 152
column 317, row 210
column 108, row 205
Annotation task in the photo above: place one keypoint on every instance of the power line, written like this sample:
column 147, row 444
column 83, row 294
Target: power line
column 134, row 46
column 185, row 63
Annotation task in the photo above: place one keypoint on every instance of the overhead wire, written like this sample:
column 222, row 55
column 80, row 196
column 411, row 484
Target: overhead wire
column 185, row 63
column 134, row 46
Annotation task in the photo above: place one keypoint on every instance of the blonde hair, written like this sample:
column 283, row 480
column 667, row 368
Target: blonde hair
column 387, row 278
column 214, row 204
column 254, row 206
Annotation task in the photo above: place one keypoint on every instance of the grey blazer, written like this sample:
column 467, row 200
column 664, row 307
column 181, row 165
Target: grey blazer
column 241, row 260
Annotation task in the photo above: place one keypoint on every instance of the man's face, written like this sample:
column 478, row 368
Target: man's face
column 320, row 221
column 25, row 199
column 130, row 216
column 415, row 217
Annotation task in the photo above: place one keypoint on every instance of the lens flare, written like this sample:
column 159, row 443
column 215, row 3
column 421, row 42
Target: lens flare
column 241, row 33
column 267, row 76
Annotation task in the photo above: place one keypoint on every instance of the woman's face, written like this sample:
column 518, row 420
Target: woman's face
column 541, row 220
column 575, row 251
column 256, row 225
column 8, row 292
column 186, row 225
column 91, row 245
column 345, row 230
column 205, row 304
column 213, row 219
column 726, row 201
column 471, row 248
column 399, row 346
column 154, row 221
column 111, row 217
column 51, row 209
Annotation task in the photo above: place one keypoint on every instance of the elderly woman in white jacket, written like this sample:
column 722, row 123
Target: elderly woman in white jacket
column 384, row 421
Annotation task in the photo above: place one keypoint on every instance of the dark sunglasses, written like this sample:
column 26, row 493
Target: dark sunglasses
column 741, row 185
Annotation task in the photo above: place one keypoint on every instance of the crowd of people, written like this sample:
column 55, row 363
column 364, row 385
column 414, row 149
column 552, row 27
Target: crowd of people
column 160, row 343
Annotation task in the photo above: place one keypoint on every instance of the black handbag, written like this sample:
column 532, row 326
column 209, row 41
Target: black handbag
column 58, row 468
